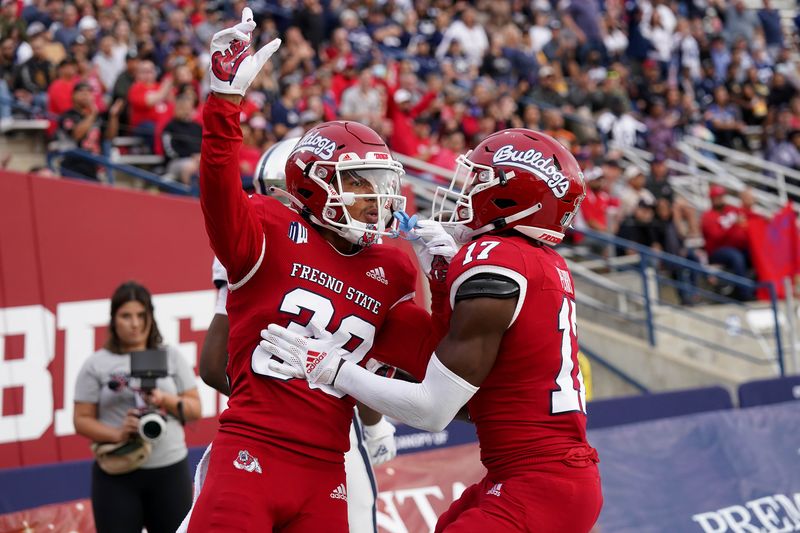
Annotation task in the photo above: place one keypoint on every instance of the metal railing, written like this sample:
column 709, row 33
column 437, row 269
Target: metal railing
column 748, row 168
column 656, row 270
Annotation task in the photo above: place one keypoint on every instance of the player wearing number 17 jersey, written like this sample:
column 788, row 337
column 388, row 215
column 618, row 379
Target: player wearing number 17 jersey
column 277, row 460
column 510, row 353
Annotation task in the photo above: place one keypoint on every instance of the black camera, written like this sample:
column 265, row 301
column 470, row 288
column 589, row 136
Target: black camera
column 148, row 366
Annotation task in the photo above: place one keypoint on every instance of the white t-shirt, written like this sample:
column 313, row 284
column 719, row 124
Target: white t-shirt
column 104, row 367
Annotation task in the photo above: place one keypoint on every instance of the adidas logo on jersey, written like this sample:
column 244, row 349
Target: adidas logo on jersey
column 378, row 275
column 339, row 493
column 248, row 463
column 495, row 491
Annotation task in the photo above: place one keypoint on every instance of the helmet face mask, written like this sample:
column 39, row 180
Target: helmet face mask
column 514, row 179
column 469, row 178
column 361, row 198
column 343, row 177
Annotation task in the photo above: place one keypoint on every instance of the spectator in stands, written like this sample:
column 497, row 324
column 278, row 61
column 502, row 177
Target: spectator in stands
column 582, row 18
column 787, row 151
column 110, row 63
column 597, row 209
column 781, row 91
column 725, row 120
column 7, row 65
column 619, row 126
column 740, row 22
column 85, row 126
column 181, row 139
column 638, row 227
column 122, row 87
column 87, row 28
column 285, row 115
column 402, row 113
column 68, row 30
column 725, row 232
column 34, row 76
column 658, row 181
column 59, row 94
column 158, row 494
column 470, row 36
column 545, row 92
column 362, row 102
column 252, row 145
column 670, row 239
column 634, row 192
column 148, row 101
column 553, row 122
column 770, row 20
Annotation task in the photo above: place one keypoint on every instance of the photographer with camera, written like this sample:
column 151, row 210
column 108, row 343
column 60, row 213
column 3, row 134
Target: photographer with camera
column 132, row 398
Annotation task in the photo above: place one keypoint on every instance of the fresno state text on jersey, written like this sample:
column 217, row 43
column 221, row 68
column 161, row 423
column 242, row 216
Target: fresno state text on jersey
column 297, row 283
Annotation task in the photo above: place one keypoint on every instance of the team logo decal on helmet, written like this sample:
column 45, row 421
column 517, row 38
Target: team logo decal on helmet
column 342, row 176
column 534, row 161
column 316, row 143
column 514, row 179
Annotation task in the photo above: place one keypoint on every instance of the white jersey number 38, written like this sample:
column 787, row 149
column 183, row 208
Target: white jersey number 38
column 322, row 313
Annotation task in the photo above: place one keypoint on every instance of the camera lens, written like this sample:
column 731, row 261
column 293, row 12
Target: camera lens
column 151, row 426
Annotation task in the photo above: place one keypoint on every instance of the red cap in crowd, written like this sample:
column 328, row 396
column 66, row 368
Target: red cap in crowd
column 716, row 190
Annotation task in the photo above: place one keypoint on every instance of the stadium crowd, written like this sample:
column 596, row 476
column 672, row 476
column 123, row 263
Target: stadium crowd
column 433, row 77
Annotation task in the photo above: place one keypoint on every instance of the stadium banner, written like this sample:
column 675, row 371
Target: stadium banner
column 414, row 490
column 734, row 471
column 65, row 245
column 731, row 471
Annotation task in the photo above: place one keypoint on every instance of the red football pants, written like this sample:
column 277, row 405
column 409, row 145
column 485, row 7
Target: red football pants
column 555, row 498
column 292, row 494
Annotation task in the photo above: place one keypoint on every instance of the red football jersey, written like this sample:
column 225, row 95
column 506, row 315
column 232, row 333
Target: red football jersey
column 532, row 405
column 282, row 271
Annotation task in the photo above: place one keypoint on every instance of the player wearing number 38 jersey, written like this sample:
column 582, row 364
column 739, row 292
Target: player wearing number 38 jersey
column 511, row 350
column 276, row 463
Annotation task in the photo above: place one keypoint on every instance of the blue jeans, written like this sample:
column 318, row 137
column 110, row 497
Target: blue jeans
column 736, row 262
column 5, row 100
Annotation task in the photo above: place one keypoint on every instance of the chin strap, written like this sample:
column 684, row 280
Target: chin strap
column 341, row 231
column 500, row 223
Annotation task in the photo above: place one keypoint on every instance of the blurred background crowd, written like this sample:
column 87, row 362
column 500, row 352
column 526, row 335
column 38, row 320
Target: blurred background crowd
column 433, row 77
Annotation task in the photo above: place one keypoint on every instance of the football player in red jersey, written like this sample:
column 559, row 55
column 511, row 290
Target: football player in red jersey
column 277, row 460
column 511, row 351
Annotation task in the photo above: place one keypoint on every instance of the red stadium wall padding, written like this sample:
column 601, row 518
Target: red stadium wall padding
column 65, row 246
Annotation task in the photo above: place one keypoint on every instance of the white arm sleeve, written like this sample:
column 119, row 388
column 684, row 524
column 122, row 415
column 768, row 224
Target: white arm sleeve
column 429, row 405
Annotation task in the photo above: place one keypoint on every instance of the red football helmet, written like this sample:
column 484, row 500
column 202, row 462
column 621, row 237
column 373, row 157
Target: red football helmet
column 515, row 178
column 339, row 153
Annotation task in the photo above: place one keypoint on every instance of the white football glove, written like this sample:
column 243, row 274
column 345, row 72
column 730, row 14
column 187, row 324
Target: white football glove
column 433, row 242
column 233, row 69
column 314, row 359
column 379, row 439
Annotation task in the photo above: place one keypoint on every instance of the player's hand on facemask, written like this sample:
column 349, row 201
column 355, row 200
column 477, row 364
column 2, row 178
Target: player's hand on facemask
column 315, row 359
column 430, row 241
column 379, row 439
column 233, row 69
